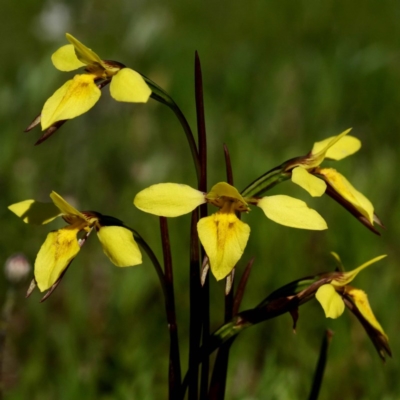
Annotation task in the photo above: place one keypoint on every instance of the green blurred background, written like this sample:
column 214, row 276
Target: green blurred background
column 278, row 76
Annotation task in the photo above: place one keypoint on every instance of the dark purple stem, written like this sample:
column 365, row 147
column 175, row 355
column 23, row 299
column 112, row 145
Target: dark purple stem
column 220, row 370
column 202, row 141
column 174, row 372
column 195, row 310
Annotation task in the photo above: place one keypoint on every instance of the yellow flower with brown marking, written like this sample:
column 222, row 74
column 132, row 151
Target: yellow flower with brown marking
column 337, row 294
column 307, row 173
column 81, row 93
column 330, row 295
column 62, row 246
column 223, row 235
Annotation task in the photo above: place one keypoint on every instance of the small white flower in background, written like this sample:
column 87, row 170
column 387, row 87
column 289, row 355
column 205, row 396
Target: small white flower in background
column 17, row 267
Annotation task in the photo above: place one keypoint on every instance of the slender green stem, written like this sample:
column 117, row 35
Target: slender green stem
column 143, row 244
column 266, row 182
column 163, row 97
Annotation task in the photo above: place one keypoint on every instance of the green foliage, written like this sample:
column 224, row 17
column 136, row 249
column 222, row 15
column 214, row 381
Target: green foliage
column 278, row 76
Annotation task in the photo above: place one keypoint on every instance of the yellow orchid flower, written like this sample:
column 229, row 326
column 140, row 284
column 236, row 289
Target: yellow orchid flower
column 62, row 246
column 330, row 295
column 81, row 93
column 316, row 181
column 337, row 294
column 223, row 235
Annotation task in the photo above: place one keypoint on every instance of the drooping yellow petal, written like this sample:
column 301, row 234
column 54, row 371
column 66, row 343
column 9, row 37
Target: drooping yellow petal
column 74, row 98
column 313, row 185
column 65, row 59
column 330, row 300
column 347, row 277
column 288, row 211
column 119, row 246
column 224, row 238
column 35, row 212
column 65, row 207
column 128, row 85
column 344, row 188
column 360, row 299
column 58, row 250
column 168, row 199
column 337, row 147
column 83, row 53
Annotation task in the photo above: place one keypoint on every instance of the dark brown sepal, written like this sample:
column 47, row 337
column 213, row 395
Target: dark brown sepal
column 331, row 192
column 50, row 131
column 55, row 284
column 294, row 313
column 31, row 288
column 34, row 123
column 378, row 339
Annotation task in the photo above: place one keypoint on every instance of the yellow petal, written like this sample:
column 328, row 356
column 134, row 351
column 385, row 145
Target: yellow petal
column 343, row 148
column 119, row 246
column 342, row 186
column 83, row 53
column 320, row 148
column 127, row 85
column 331, row 302
column 224, row 238
column 288, row 211
column 360, row 299
column 74, row 98
column 65, row 207
column 313, row 185
column 58, row 250
column 65, row 59
column 338, row 147
column 168, row 199
column 35, row 212
column 347, row 277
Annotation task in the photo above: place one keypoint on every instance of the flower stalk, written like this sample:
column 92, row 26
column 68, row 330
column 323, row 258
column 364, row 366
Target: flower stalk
column 321, row 364
column 174, row 357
